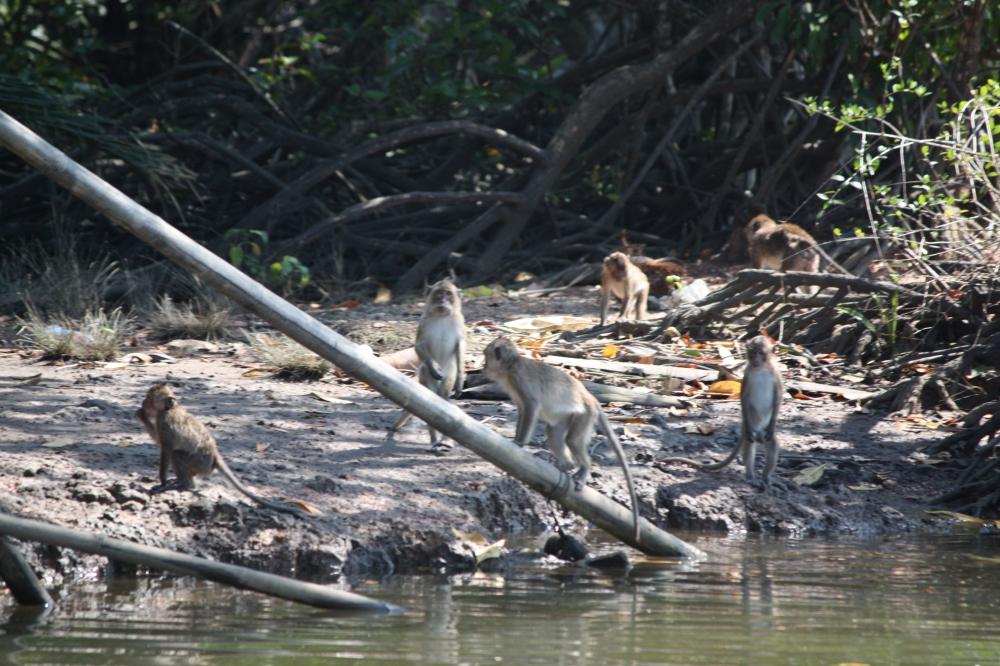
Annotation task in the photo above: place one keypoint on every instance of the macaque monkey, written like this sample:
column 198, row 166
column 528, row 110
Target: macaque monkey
column 568, row 410
column 187, row 445
column 760, row 399
column 623, row 279
column 440, row 347
column 781, row 247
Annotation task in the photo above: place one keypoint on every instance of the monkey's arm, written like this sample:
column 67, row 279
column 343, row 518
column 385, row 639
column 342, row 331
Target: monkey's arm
column 459, row 366
column 628, row 296
column 425, row 357
column 605, row 300
column 527, row 419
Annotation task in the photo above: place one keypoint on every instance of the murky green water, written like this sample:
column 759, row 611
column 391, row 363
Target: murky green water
column 757, row 601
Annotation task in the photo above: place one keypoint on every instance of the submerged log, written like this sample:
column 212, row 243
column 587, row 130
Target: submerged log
column 21, row 580
column 189, row 565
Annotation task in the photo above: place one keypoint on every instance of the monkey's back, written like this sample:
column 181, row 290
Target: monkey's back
column 567, row 396
column 190, row 442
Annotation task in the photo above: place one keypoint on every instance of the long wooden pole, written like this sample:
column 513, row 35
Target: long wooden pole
column 285, row 317
column 189, row 565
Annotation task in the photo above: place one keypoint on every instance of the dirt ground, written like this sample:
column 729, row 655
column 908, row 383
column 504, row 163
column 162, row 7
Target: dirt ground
column 74, row 454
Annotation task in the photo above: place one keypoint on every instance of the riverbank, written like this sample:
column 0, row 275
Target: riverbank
column 74, row 454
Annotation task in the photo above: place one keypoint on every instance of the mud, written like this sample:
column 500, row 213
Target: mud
column 72, row 453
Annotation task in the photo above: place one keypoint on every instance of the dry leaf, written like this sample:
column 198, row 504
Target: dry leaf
column 307, row 507
column 960, row 517
column 699, row 429
column 550, row 323
column 523, row 276
column 610, row 351
column 799, row 395
column 646, row 360
column 255, row 372
column 34, row 380
column 727, row 388
column 383, row 296
column 678, row 411
column 262, row 446
column 329, row 399
column 810, row 476
column 349, row 304
column 634, row 420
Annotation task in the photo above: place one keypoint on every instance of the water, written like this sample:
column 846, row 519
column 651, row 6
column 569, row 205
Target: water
column 754, row 602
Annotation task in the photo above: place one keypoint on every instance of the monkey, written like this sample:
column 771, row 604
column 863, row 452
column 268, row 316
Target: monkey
column 760, row 399
column 784, row 247
column 623, row 279
column 187, row 445
column 440, row 348
column 568, row 410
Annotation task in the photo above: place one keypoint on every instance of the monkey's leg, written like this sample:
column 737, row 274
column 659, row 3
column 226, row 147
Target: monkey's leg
column 581, row 429
column 403, row 419
column 771, row 461
column 749, row 453
column 443, row 388
column 555, row 438
column 641, row 301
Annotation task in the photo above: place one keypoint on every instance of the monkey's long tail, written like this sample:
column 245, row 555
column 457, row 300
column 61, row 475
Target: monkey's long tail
column 221, row 465
column 703, row 466
column 633, row 497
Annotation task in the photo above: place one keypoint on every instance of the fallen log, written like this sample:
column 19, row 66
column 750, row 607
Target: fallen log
column 312, row 594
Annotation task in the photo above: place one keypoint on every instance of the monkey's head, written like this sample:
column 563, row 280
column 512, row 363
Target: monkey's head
column 757, row 223
column 159, row 398
column 616, row 263
column 499, row 356
column 759, row 350
column 443, row 297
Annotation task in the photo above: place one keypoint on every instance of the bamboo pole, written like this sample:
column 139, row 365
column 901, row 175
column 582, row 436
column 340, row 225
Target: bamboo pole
column 352, row 359
column 189, row 565
column 21, row 580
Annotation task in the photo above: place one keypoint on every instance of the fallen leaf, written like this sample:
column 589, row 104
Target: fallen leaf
column 549, row 323
column 610, row 351
column 255, row 372
column 523, row 276
column 262, row 446
column 33, row 380
column 864, row 487
column 678, row 411
column 727, row 388
column 799, row 395
column 349, row 304
column 646, row 360
column 634, row 420
column 383, row 296
column 960, row 517
column 329, row 399
column 58, row 443
column 699, row 429
column 811, row 475
column 307, row 507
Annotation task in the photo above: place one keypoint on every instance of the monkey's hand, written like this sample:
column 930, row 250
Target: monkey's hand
column 434, row 369
column 163, row 487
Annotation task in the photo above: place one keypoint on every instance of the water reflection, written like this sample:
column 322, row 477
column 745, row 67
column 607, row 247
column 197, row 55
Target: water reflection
column 754, row 601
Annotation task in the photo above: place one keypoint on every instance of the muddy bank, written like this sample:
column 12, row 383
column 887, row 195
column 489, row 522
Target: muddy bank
column 73, row 454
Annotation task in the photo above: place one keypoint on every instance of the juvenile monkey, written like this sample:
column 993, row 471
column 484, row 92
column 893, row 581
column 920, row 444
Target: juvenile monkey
column 187, row 445
column 626, row 281
column 760, row 399
column 568, row 410
column 781, row 247
column 440, row 347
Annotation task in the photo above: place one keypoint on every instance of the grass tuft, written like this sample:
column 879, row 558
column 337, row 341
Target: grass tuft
column 287, row 358
column 203, row 319
column 96, row 336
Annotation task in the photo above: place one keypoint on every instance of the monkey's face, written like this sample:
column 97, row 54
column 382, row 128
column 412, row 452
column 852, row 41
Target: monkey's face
column 615, row 263
column 158, row 399
column 757, row 223
column 498, row 357
column 443, row 297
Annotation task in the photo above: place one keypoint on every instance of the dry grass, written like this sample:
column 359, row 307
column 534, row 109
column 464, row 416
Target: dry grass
column 201, row 318
column 287, row 358
column 96, row 336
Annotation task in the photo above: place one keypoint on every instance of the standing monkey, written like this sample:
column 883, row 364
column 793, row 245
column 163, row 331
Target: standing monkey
column 760, row 399
column 568, row 410
column 626, row 281
column 187, row 445
column 440, row 346
column 781, row 247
